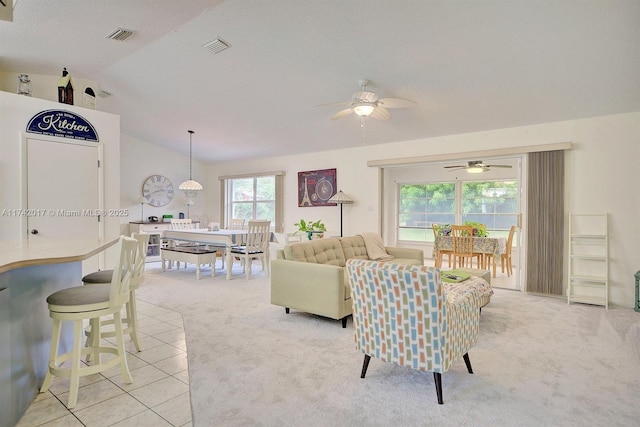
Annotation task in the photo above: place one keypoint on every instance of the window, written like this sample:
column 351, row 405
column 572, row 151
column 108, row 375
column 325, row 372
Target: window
column 494, row 203
column 422, row 205
column 257, row 196
column 253, row 198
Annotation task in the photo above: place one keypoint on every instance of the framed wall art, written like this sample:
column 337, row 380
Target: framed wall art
column 315, row 188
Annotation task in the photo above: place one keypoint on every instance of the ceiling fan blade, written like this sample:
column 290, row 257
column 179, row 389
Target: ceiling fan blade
column 335, row 103
column 380, row 113
column 397, row 103
column 457, row 167
column 341, row 114
column 498, row 166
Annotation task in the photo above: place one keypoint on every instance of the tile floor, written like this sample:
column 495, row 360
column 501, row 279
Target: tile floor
column 159, row 395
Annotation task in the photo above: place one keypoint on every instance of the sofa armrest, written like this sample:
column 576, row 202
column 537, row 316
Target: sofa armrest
column 407, row 253
column 310, row 287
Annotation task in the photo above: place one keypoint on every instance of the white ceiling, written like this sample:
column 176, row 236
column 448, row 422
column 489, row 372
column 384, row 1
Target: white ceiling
column 470, row 66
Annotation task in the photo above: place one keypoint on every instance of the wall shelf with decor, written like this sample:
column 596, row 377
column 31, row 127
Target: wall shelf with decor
column 588, row 259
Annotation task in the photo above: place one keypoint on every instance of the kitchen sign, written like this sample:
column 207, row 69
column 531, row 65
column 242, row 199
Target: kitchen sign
column 62, row 123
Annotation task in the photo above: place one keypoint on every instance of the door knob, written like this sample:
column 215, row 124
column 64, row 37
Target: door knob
column 34, row 231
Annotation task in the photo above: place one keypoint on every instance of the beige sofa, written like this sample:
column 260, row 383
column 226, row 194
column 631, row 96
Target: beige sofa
column 310, row 276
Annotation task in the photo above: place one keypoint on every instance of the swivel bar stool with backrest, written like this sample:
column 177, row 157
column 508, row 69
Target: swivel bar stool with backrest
column 81, row 303
column 131, row 318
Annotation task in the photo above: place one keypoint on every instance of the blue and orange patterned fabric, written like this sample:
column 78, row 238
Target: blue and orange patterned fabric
column 402, row 315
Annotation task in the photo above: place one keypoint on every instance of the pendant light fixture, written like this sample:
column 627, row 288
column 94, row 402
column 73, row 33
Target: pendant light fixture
column 190, row 187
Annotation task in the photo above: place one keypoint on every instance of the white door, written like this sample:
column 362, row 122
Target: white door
column 63, row 191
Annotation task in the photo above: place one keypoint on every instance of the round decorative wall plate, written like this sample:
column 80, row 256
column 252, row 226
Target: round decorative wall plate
column 158, row 190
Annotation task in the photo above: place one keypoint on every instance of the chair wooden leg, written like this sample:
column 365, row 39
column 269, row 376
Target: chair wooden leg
column 437, row 377
column 467, row 362
column 53, row 353
column 74, row 379
column 132, row 320
column 122, row 354
column 365, row 365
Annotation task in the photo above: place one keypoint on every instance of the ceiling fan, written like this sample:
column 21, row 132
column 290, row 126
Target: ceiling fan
column 367, row 104
column 476, row 166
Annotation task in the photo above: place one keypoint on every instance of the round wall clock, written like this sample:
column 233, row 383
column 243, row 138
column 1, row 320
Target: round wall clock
column 158, row 190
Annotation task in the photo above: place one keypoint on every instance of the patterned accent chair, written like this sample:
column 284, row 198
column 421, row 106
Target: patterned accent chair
column 401, row 314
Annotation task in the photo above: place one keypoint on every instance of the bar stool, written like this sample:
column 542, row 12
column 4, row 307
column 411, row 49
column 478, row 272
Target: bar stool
column 81, row 303
column 131, row 313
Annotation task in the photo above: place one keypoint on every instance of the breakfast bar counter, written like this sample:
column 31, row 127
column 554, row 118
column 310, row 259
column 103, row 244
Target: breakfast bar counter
column 29, row 272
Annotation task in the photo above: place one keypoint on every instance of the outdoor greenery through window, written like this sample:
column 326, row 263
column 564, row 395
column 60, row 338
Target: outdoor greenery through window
column 493, row 203
column 252, row 198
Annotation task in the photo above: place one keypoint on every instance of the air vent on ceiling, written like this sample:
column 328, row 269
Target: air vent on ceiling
column 119, row 34
column 218, row 45
column 104, row 94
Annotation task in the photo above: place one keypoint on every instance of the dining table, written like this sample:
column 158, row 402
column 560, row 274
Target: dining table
column 225, row 239
column 493, row 246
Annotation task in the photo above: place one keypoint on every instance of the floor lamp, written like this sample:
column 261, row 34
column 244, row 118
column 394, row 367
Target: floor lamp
column 341, row 199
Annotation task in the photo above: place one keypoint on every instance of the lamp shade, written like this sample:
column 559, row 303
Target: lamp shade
column 340, row 198
column 190, row 185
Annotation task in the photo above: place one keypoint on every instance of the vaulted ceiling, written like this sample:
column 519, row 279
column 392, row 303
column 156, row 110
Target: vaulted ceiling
column 469, row 65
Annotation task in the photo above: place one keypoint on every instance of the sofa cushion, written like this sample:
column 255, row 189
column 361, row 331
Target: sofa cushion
column 353, row 247
column 320, row 251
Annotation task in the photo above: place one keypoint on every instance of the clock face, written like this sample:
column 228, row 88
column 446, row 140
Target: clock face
column 158, row 190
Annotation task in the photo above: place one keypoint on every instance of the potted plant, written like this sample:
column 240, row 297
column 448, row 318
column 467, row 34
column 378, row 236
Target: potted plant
column 313, row 229
column 479, row 230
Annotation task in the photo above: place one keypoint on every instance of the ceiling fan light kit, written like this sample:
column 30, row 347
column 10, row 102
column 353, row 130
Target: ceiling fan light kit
column 364, row 109
column 368, row 104
column 476, row 166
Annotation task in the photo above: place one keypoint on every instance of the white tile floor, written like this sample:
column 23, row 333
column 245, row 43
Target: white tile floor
column 159, row 395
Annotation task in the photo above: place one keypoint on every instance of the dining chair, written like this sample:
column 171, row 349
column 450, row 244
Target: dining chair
column 236, row 224
column 463, row 246
column 506, row 258
column 256, row 247
column 181, row 224
column 88, row 303
column 437, row 231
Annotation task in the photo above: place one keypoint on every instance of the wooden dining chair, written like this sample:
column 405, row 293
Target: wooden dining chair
column 506, row 258
column 437, row 231
column 236, row 224
column 463, row 246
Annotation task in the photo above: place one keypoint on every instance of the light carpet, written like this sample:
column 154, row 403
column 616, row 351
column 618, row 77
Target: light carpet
column 538, row 362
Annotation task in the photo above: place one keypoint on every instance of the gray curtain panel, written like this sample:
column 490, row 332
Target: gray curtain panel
column 545, row 218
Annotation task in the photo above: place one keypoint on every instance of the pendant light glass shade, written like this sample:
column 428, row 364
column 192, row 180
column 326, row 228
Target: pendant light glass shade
column 190, row 187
